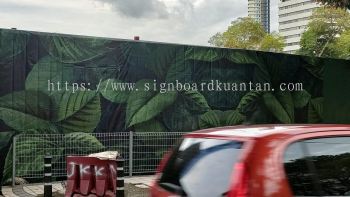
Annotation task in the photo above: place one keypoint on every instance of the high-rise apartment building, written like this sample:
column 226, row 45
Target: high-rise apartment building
column 260, row 11
column 294, row 16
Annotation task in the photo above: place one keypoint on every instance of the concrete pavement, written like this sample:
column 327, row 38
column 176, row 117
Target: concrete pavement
column 31, row 190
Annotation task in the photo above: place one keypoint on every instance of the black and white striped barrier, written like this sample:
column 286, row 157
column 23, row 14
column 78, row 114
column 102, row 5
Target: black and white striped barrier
column 120, row 177
column 48, row 176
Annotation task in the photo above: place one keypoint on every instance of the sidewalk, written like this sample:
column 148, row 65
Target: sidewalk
column 32, row 190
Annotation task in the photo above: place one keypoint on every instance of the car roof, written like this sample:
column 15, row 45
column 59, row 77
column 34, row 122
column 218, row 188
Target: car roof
column 259, row 131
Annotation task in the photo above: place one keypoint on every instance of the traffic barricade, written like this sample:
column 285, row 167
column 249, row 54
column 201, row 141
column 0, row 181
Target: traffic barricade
column 93, row 175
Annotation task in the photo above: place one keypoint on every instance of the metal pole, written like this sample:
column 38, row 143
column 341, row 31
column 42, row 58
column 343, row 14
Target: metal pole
column 120, row 177
column 14, row 161
column 131, row 144
column 47, row 176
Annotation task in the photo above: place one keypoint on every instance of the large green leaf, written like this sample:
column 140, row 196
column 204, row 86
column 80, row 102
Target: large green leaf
column 244, row 57
column 5, row 137
column 204, row 54
column 87, row 144
column 261, row 72
column 179, row 118
column 5, row 144
column 301, row 98
column 77, row 112
column 247, row 99
column 115, row 90
column 46, row 75
column 315, row 66
column 49, row 75
column 275, row 107
column 110, row 66
column 232, row 117
column 67, row 49
column 22, row 122
column 217, row 118
column 143, row 105
column 150, row 107
column 137, row 98
column 12, row 43
column 30, row 152
column 276, row 68
column 179, row 70
column 69, row 103
column 196, row 101
column 150, row 126
column 13, row 46
column 210, row 119
column 161, row 57
column 24, row 110
column 315, row 112
column 8, row 166
column 211, row 55
column 219, row 74
column 29, row 102
column 286, row 100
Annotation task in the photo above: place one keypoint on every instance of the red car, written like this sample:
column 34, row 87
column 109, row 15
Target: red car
column 258, row 161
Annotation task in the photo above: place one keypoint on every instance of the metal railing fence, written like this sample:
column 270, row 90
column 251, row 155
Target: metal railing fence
column 142, row 151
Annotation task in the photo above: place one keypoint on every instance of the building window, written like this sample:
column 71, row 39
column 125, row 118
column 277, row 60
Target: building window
column 294, row 20
column 296, row 12
column 292, row 36
column 293, row 28
column 292, row 43
column 295, row 5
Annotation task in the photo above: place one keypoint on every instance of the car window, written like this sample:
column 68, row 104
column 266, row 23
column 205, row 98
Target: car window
column 199, row 164
column 319, row 167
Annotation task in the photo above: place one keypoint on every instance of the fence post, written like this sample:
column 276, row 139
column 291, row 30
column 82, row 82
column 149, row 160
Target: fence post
column 120, row 177
column 131, row 145
column 47, row 176
column 14, row 161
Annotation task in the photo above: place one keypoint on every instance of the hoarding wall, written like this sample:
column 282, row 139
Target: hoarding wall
column 63, row 84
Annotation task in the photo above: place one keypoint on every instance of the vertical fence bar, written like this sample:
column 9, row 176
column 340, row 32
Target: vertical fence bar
column 120, row 177
column 47, row 176
column 131, row 145
column 14, row 161
column 141, row 151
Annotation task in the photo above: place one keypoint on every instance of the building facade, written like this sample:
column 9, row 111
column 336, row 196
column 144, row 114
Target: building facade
column 294, row 16
column 260, row 11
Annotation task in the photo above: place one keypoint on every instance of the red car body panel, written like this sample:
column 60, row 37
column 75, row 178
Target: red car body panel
column 263, row 153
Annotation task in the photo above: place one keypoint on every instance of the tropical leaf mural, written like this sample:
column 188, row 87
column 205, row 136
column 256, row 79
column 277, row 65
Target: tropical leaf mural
column 76, row 85
column 112, row 90
column 315, row 113
column 216, row 118
column 144, row 105
column 67, row 49
column 30, row 146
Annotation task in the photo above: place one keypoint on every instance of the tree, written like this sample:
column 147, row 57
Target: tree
column 336, row 3
column 272, row 42
column 217, row 40
column 325, row 26
column 342, row 45
column 246, row 33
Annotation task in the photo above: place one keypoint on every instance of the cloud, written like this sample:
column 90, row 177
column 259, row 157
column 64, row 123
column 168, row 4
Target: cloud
column 139, row 8
column 186, row 21
column 174, row 21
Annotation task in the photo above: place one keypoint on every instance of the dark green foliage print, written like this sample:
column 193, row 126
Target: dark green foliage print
column 74, row 85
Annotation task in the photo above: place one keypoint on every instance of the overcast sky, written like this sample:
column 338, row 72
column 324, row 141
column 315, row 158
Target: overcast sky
column 176, row 21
